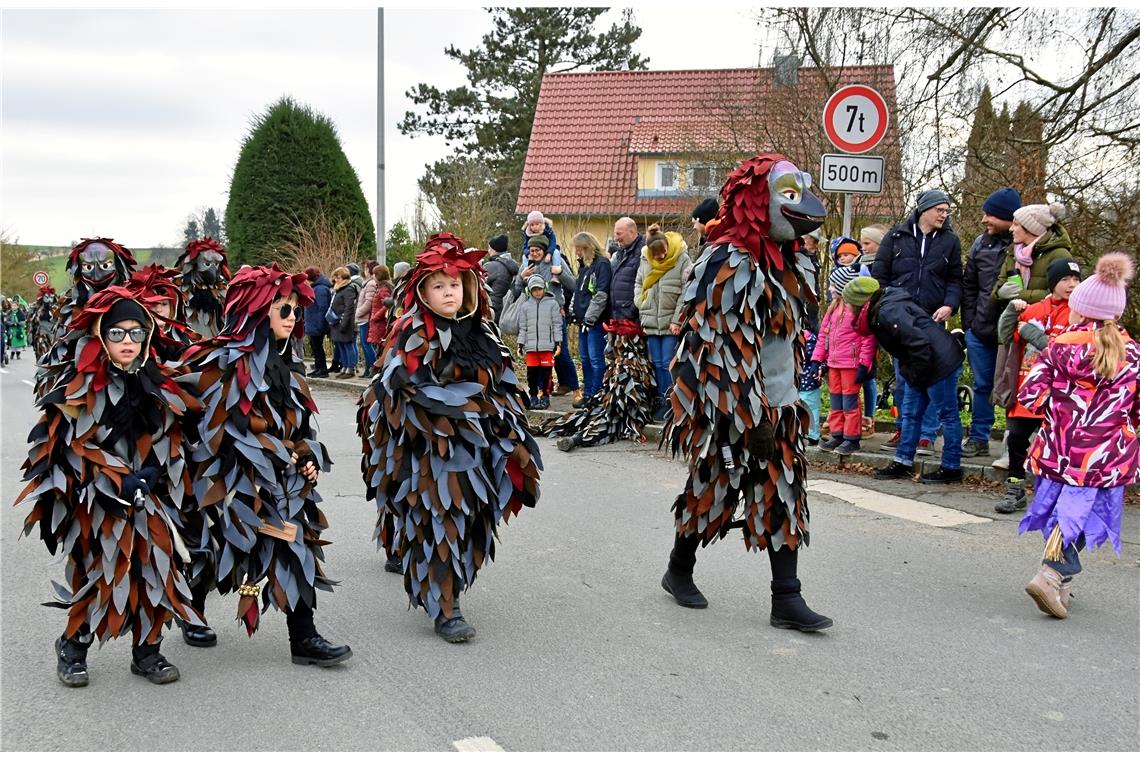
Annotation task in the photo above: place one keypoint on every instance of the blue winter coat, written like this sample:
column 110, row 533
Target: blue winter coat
column 315, row 325
column 625, row 265
column 928, row 268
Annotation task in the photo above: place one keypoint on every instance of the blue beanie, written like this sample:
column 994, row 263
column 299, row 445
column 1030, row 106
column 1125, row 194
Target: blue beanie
column 1003, row 203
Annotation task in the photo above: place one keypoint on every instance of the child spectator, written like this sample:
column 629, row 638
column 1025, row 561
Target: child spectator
column 1085, row 383
column 848, row 357
column 1028, row 335
column 539, row 337
column 810, row 382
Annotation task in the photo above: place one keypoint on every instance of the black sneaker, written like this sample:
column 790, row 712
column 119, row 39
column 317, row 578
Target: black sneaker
column 942, row 476
column 847, row 447
column 454, row 630
column 148, row 662
column 831, row 444
column 71, row 666
column 894, row 471
column 972, row 448
column 1014, row 498
column 812, row 441
column 393, row 565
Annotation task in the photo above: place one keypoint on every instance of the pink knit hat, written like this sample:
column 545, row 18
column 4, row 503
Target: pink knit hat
column 534, row 216
column 1102, row 295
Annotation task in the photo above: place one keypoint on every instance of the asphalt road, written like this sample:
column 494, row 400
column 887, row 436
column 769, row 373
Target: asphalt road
column 936, row 646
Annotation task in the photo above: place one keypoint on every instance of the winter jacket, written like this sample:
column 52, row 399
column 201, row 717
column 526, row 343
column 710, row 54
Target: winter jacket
column 1053, row 245
column 809, row 381
column 1030, row 331
column 660, row 306
column 926, row 352
column 928, row 267
column 555, row 253
column 811, row 310
column 839, row 345
column 625, row 264
column 591, row 304
column 501, row 269
column 381, row 310
column 553, row 287
column 540, row 324
column 1090, row 435
column 344, row 306
column 364, row 302
column 983, row 265
column 315, row 325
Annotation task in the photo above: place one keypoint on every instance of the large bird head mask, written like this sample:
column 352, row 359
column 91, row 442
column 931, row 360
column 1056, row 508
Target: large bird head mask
column 98, row 262
column 204, row 264
column 766, row 201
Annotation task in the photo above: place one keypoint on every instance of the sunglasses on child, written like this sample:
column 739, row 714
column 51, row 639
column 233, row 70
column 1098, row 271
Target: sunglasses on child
column 285, row 310
column 118, row 334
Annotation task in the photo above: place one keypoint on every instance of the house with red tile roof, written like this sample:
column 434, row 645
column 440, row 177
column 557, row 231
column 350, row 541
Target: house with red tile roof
column 652, row 144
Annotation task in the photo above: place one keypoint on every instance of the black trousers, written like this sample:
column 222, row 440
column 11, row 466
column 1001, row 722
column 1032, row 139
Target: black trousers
column 538, row 378
column 784, row 563
column 1021, row 429
column 317, row 345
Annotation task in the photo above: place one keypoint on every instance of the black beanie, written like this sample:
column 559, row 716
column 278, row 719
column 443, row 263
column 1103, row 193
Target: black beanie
column 121, row 311
column 706, row 210
column 499, row 243
column 1059, row 270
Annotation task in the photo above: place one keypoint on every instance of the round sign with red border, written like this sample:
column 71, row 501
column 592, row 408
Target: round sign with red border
column 855, row 118
column 40, row 278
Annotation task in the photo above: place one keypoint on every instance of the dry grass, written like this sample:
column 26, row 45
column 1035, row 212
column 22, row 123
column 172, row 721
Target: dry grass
column 319, row 243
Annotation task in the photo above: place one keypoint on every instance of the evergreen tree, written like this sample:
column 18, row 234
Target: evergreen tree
column 292, row 173
column 212, row 225
column 191, row 232
column 492, row 116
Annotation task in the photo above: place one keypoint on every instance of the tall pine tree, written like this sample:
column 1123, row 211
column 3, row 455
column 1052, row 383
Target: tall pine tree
column 292, row 171
column 491, row 116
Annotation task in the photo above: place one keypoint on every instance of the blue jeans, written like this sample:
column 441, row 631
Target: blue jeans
column 661, row 351
column 930, row 417
column 870, row 397
column 944, row 395
column 811, row 400
column 1070, row 565
column 592, row 349
column 369, row 351
column 348, row 355
column 564, row 365
column 983, row 360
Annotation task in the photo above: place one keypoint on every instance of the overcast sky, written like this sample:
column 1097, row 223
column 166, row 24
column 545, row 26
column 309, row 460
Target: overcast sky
column 120, row 123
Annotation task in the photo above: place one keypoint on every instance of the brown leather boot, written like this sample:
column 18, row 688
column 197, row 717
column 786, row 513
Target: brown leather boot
column 1045, row 588
column 1066, row 592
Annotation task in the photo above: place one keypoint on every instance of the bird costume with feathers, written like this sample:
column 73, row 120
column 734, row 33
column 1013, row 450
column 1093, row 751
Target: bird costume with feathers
column 205, row 275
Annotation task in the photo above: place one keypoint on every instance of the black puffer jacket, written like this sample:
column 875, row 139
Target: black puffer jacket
column 501, row 270
column 933, row 277
column 926, row 352
column 983, row 265
column 625, row 264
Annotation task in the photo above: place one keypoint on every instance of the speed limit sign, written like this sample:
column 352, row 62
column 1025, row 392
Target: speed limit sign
column 40, row 278
column 855, row 118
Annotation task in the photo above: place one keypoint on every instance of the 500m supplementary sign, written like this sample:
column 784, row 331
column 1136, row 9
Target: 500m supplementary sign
column 844, row 173
column 855, row 118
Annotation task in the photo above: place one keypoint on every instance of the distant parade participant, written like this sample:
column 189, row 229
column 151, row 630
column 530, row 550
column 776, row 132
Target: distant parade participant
column 205, row 275
column 1087, row 384
column 106, row 482
column 93, row 265
column 255, row 468
column 447, row 451
column 41, row 321
column 172, row 335
column 734, row 408
column 16, row 324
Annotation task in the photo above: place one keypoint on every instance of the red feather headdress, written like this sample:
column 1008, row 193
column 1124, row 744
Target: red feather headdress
column 196, row 248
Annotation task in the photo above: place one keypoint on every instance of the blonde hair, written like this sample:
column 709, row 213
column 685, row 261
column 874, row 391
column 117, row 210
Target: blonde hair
column 341, row 273
column 1108, row 354
column 588, row 241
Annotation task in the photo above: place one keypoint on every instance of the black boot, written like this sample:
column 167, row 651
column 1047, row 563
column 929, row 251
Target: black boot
column 393, row 565
column 454, row 629
column 148, row 662
column 71, row 655
column 308, row 647
column 678, row 579
column 570, row 442
column 789, row 610
column 198, row 635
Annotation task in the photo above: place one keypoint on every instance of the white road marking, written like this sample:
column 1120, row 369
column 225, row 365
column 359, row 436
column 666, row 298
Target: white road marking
column 477, row 744
column 895, row 506
column 28, row 382
column 4, row 371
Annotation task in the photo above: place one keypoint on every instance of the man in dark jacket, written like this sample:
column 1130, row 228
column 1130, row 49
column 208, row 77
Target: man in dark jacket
column 923, row 257
column 625, row 264
column 316, row 328
column 501, row 270
column 980, row 312
column 929, row 358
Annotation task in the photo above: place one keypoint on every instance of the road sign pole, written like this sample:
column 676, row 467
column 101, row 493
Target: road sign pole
column 847, row 214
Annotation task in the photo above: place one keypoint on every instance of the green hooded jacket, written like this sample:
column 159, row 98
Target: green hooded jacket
column 1053, row 245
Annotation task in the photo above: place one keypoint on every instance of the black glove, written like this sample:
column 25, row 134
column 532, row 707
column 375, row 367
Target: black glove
column 305, row 459
column 861, row 374
column 763, row 440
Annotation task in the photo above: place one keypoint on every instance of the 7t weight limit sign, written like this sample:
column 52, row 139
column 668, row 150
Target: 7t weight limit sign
column 842, row 173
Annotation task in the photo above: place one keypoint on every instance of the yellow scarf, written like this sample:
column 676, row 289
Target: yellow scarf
column 675, row 247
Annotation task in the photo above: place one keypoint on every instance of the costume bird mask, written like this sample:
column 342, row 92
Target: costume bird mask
column 793, row 209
